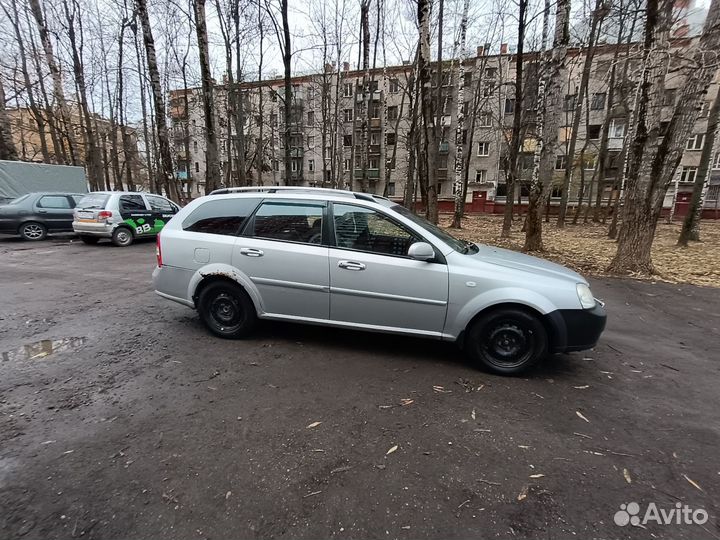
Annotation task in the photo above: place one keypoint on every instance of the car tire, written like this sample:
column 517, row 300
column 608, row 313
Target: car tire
column 227, row 310
column 122, row 237
column 507, row 340
column 33, row 231
column 90, row 240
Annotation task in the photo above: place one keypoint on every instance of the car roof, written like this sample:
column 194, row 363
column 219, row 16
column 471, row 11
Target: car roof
column 53, row 193
column 302, row 192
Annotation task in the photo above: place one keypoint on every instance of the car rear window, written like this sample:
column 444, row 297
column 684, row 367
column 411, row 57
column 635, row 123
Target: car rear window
column 93, row 200
column 220, row 216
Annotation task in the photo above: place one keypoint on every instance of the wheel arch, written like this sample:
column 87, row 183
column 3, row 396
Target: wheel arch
column 222, row 272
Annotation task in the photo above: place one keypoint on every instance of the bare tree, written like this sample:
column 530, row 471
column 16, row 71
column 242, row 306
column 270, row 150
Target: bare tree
column 166, row 172
column 652, row 163
column 7, row 148
column 459, row 162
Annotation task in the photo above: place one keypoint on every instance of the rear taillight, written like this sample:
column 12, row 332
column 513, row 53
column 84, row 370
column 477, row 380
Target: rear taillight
column 104, row 214
column 158, row 252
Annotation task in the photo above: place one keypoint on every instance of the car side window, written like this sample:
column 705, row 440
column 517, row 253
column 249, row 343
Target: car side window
column 54, row 201
column 160, row 204
column 132, row 203
column 76, row 199
column 365, row 229
column 288, row 222
column 221, row 216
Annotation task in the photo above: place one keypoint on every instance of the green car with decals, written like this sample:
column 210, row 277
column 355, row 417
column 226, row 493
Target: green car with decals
column 121, row 216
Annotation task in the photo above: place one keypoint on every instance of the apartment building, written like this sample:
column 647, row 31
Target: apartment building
column 334, row 122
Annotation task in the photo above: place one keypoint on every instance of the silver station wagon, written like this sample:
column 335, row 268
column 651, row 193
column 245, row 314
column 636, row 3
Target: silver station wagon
column 360, row 261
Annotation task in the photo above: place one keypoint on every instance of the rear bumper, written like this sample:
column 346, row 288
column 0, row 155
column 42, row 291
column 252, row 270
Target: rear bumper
column 102, row 230
column 577, row 329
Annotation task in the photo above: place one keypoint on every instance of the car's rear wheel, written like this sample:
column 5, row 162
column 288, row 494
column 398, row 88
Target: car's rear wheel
column 227, row 310
column 33, row 231
column 89, row 239
column 122, row 236
column 507, row 340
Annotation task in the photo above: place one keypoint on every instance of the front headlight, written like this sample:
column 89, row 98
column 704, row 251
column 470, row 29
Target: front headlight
column 587, row 300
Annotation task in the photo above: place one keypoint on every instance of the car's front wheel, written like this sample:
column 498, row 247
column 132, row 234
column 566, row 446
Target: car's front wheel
column 507, row 340
column 33, row 231
column 227, row 310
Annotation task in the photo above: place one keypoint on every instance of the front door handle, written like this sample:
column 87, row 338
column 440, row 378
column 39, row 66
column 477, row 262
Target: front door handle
column 251, row 252
column 351, row 265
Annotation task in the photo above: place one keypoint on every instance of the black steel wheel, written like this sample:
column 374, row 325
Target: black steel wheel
column 226, row 310
column 507, row 340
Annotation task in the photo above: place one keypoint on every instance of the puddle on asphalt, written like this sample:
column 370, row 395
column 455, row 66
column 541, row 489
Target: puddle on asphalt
column 44, row 348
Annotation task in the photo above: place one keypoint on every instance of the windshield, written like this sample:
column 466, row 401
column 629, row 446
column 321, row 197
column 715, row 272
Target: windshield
column 461, row 246
column 93, row 200
column 18, row 200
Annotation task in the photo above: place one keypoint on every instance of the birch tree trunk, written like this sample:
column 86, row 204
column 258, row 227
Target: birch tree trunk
column 549, row 120
column 458, row 185
column 166, row 164
column 652, row 165
column 691, row 224
column 427, row 133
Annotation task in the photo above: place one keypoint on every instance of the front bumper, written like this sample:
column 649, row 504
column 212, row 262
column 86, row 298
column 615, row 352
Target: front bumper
column 102, row 230
column 577, row 329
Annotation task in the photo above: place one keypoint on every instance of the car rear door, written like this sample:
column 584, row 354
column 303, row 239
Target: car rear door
column 136, row 214
column 55, row 211
column 283, row 250
column 162, row 211
column 374, row 283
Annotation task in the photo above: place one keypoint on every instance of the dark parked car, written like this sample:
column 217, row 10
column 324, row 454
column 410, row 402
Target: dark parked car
column 34, row 215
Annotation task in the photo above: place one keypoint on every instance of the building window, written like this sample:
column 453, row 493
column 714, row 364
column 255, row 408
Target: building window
column 704, row 109
column 716, row 162
column 490, row 72
column 311, row 141
column 483, row 149
column 509, row 106
column 273, row 119
column 617, row 129
column 392, row 112
column 597, row 103
column 276, row 165
column 373, row 163
column 375, row 111
column 347, row 140
column 311, row 165
column 712, row 193
column 295, row 165
column 375, row 137
column 195, row 147
column 594, row 132
column 390, row 164
column 480, row 176
column 485, row 119
column 561, row 162
column 669, row 97
column 348, row 90
column 589, row 162
column 311, row 117
column 390, row 138
column 391, row 189
column 273, row 96
column 570, row 102
column 394, row 86
column 487, row 91
column 197, row 167
column 695, row 142
column 348, row 115
column 346, row 165
column 311, row 93
column 688, row 174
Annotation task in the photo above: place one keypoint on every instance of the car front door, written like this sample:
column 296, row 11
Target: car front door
column 162, row 211
column 283, row 251
column 374, row 283
column 136, row 214
column 55, row 211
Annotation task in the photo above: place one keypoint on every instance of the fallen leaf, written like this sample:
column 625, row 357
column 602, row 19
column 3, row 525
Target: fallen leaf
column 583, row 387
column 406, row 401
column 537, row 475
column 391, row 450
column 523, row 493
column 581, row 416
column 314, row 424
column 227, row 495
column 694, row 484
column 472, row 414
column 626, row 474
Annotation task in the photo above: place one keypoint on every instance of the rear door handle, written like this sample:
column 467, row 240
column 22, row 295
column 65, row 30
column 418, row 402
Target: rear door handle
column 351, row 265
column 251, row 252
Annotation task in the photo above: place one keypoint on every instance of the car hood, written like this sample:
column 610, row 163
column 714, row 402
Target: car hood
column 526, row 263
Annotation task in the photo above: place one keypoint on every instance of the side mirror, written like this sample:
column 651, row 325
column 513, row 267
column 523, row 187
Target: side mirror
column 421, row 251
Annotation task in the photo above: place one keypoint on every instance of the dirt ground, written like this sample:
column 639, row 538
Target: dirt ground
column 131, row 421
column 587, row 249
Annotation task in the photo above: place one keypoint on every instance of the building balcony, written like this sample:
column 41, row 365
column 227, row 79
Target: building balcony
column 374, row 149
column 372, row 174
column 181, row 175
column 297, row 152
column 615, row 143
column 444, row 147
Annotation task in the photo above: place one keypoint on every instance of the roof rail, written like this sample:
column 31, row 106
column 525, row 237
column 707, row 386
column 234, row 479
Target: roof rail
column 295, row 189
